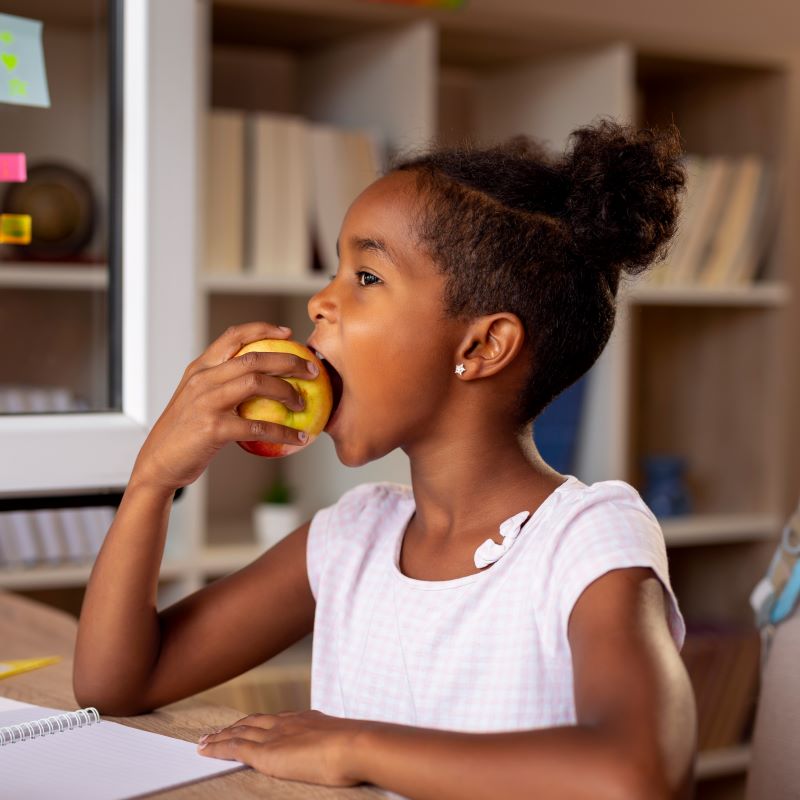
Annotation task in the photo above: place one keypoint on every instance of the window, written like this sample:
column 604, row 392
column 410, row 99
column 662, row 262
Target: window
column 97, row 307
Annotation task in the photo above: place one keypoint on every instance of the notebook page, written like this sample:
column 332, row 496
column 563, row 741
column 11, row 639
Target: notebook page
column 102, row 761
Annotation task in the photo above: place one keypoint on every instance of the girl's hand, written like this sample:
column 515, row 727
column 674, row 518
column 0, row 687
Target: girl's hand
column 201, row 418
column 294, row 745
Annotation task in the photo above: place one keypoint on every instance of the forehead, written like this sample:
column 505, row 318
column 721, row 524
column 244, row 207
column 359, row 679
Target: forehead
column 385, row 210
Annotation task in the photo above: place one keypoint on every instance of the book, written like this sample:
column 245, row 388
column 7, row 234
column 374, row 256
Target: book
column 710, row 188
column 278, row 192
column 674, row 269
column 556, row 429
column 73, row 755
column 755, row 239
column 344, row 163
column 737, row 210
column 224, row 193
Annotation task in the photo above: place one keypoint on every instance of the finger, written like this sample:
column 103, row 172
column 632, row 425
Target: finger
column 284, row 365
column 237, row 429
column 234, row 339
column 255, row 720
column 237, row 748
column 254, row 384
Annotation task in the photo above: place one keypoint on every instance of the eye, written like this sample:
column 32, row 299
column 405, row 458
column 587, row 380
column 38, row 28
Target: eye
column 363, row 277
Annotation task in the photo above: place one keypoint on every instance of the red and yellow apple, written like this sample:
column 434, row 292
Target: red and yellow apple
column 317, row 394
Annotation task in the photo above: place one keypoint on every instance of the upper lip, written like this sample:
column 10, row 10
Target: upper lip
column 312, row 346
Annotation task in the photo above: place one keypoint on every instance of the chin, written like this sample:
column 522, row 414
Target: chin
column 351, row 455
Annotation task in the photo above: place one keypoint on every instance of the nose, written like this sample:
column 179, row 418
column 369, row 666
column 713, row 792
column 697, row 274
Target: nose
column 322, row 305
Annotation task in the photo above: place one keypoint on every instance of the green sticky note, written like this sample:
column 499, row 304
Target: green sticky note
column 23, row 79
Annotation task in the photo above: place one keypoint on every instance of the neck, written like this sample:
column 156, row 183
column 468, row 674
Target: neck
column 475, row 480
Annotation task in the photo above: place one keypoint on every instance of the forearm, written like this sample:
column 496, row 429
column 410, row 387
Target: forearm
column 556, row 763
column 118, row 635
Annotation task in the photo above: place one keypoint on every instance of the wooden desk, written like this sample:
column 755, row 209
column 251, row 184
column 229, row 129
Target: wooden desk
column 29, row 630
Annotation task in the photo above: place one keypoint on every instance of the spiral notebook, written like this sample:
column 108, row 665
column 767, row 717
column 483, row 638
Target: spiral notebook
column 76, row 755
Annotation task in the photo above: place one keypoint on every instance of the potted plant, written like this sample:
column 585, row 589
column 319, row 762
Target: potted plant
column 276, row 515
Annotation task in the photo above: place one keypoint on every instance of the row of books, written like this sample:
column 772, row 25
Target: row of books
column 277, row 189
column 48, row 536
column 723, row 666
column 20, row 399
column 52, row 536
column 726, row 221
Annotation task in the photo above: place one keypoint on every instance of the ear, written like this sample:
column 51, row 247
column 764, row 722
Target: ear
column 490, row 344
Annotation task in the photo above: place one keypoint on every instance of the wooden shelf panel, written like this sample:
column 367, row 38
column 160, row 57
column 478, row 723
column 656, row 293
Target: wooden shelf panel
column 772, row 294
column 265, row 284
column 216, row 560
column 53, row 276
column 720, row 529
column 719, row 763
column 58, row 576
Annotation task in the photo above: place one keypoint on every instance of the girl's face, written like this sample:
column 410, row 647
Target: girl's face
column 380, row 324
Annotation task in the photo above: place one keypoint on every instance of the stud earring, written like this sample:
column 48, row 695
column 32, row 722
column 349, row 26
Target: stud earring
column 460, row 369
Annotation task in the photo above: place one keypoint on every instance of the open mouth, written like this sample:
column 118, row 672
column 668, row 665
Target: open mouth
column 337, row 384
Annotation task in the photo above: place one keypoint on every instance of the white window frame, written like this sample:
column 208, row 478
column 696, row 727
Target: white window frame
column 67, row 453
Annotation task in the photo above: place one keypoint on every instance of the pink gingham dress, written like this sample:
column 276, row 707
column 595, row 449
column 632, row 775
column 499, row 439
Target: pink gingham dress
column 481, row 653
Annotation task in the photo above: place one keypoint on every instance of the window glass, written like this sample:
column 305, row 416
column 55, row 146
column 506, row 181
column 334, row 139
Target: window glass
column 60, row 325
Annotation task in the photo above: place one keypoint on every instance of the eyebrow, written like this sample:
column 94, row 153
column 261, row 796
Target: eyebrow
column 370, row 244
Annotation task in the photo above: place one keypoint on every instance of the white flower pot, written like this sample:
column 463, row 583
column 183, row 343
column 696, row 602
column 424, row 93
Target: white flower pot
column 273, row 521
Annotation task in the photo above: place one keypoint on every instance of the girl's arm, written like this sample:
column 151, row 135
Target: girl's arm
column 130, row 658
column 635, row 732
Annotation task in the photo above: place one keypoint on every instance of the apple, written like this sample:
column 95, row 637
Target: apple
column 317, row 394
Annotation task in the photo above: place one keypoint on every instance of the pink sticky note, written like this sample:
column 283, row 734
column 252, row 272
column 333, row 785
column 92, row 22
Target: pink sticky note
column 12, row 168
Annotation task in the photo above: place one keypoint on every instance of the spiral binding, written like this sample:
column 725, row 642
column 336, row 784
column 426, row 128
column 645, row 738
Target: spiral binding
column 12, row 734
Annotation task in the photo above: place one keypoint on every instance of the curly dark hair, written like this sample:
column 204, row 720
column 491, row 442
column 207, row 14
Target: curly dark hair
column 515, row 228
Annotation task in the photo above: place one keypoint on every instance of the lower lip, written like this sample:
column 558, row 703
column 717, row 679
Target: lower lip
column 332, row 421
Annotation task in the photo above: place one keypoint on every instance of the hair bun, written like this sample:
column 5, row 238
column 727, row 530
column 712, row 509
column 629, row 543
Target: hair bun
column 624, row 201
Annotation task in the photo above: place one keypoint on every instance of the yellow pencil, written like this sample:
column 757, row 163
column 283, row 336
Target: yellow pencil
column 9, row 668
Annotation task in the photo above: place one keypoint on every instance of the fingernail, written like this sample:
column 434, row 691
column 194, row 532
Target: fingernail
column 204, row 737
column 283, row 328
column 312, row 368
column 302, row 436
column 202, row 745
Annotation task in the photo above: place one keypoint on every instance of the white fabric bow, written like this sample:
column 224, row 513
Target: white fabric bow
column 490, row 551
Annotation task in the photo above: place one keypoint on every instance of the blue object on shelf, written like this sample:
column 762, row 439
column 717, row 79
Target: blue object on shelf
column 555, row 430
column 665, row 489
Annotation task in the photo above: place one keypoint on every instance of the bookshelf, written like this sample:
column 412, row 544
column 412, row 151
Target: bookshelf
column 694, row 337
column 701, row 370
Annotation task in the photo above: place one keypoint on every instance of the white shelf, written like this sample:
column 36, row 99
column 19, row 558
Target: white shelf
column 720, row 529
column 300, row 286
column 216, row 560
column 757, row 294
column 58, row 576
column 37, row 275
column 719, row 763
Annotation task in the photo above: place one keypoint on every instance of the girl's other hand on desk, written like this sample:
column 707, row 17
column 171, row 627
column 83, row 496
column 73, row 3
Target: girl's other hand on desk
column 293, row 745
column 201, row 416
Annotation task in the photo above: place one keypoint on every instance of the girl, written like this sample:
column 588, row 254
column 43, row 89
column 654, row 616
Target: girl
column 474, row 285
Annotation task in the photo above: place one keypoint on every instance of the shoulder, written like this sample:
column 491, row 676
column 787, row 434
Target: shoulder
column 344, row 532
column 361, row 505
column 602, row 527
column 371, row 498
column 607, row 511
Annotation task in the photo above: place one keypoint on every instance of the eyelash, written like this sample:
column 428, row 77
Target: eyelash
column 364, row 272
column 358, row 275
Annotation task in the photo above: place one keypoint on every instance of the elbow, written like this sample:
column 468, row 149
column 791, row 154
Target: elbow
column 108, row 699
column 634, row 781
